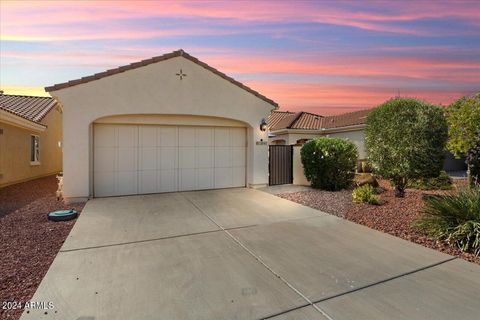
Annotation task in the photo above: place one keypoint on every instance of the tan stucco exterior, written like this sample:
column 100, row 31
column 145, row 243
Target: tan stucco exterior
column 154, row 94
column 15, row 143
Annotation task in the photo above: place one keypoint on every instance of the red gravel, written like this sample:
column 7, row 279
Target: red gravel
column 395, row 216
column 333, row 202
column 29, row 242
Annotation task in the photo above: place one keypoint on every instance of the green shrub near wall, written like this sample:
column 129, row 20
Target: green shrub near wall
column 329, row 163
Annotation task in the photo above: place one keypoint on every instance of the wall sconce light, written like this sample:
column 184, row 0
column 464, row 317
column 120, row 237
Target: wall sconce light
column 263, row 125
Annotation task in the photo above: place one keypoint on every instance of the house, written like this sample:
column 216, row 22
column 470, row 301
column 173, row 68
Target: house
column 296, row 128
column 165, row 124
column 30, row 138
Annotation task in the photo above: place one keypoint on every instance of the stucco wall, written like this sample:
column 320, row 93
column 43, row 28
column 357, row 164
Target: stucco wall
column 357, row 137
column 298, row 175
column 15, row 151
column 155, row 89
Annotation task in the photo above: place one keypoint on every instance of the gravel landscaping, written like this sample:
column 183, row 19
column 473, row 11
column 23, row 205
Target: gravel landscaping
column 29, row 242
column 394, row 216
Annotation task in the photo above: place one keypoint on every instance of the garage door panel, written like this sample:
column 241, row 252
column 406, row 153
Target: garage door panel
column 127, row 136
column 238, row 176
column 204, row 157
column 222, row 137
column 223, row 157
column 167, row 181
column 167, row 136
column 187, row 157
column 223, row 177
column 237, row 137
column 147, row 181
column 148, row 136
column 105, row 136
column 204, row 137
column 104, row 184
column 104, row 158
column 167, row 158
column 238, row 156
column 126, row 159
column 187, row 179
column 205, row 179
column 186, row 137
column 126, row 182
column 148, row 158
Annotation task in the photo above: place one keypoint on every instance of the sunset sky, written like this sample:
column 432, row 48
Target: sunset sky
column 325, row 57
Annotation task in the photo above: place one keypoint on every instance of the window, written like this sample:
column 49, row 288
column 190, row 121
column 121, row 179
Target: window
column 34, row 150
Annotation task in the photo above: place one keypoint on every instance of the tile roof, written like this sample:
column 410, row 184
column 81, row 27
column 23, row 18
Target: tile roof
column 276, row 116
column 28, row 107
column 345, row 119
column 309, row 121
column 174, row 54
column 289, row 120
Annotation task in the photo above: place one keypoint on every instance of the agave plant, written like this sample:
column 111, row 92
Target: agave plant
column 455, row 219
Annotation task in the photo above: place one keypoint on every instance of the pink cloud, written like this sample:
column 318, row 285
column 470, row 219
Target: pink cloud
column 21, row 20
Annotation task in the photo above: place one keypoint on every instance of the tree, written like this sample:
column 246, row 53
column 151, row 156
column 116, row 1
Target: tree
column 329, row 163
column 463, row 117
column 405, row 139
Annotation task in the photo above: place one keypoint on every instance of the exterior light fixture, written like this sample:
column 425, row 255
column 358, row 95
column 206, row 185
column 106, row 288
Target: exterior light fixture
column 263, row 125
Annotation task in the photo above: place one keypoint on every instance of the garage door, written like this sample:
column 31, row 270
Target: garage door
column 139, row 159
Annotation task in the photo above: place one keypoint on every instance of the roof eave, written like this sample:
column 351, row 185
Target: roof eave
column 20, row 122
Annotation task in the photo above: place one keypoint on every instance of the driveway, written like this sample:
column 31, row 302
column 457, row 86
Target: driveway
column 245, row 254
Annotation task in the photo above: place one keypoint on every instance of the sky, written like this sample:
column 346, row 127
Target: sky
column 325, row 57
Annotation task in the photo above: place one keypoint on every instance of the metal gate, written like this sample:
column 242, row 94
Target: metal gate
column 280, row 164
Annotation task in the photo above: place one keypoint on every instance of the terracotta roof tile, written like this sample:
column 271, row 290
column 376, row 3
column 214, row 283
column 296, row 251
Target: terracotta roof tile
column 28, row 107
column 309, row 121
column 299, row 120
column 178, row 53
column 345, row 119
column 276, row 116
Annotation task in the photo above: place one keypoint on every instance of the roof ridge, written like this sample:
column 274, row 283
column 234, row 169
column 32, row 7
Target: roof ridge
column 145, row 62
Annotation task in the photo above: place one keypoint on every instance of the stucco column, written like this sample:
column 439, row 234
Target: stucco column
column 258, row 157
column 76, row 159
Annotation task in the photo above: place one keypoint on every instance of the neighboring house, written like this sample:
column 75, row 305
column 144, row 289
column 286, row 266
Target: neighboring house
column 169, row 123
column 297, row 128
column 30, row 138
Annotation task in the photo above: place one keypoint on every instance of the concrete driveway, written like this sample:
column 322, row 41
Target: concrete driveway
column 245, row 254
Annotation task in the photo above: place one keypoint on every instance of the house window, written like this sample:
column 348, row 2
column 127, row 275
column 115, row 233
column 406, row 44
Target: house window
column 34, row 150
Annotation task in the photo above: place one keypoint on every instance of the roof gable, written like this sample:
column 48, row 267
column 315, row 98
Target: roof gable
column 143, row 63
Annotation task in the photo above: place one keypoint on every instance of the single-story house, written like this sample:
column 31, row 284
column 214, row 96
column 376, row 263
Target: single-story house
column 30, row 138
column 295, row 128
column 169, row 123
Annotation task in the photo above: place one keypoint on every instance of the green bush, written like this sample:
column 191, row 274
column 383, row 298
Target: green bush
column 329, row 163
column 454, row 219
column 365, row 194
column 473, row 162
column 442, row 182
column 405, row 139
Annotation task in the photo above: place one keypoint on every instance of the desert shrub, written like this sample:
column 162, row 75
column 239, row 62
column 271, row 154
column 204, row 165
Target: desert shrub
column 463, row 118
column 473, row 162
column 454, row 219
column 365, row 194
column 442, row 182
column 329, row 163
column 405, row 139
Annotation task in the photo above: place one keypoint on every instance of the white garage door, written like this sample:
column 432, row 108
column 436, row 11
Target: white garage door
column 139, row 159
